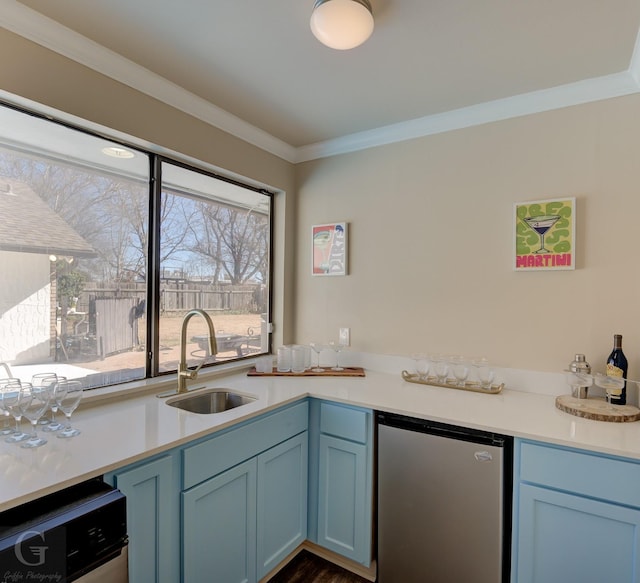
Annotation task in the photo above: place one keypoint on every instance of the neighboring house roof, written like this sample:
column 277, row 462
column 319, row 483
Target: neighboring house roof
column 29, row 225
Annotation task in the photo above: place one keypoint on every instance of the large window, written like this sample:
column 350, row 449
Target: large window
column 104, row 248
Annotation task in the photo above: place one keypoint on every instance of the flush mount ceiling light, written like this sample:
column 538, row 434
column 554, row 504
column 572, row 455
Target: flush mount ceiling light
column 117, row 152
column 342, row 24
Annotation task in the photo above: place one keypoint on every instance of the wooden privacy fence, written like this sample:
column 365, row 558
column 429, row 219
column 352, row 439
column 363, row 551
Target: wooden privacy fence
column 181, row 296
column 116, row 328
column 186, row 299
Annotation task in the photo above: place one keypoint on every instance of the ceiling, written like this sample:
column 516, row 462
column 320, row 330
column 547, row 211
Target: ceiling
column 253, row 68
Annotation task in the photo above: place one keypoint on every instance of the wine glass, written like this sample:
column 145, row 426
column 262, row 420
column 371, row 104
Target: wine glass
column 44, row 379
column 54, row 425
column 68, row 394
column 441, row 368
column 4, row 410
column 12, row 398
column 317, row 347
column 34, row 405
column 337, row 348
column 485, row 372
column 460, row 369
column 612, row 387
column 422, row 365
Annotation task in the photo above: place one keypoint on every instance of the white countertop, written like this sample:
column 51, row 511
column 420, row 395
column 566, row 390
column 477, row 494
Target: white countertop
column 118, row 432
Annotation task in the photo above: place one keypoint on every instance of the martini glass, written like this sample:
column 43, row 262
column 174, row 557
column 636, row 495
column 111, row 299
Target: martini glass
column 317, row 347
column 541, row 224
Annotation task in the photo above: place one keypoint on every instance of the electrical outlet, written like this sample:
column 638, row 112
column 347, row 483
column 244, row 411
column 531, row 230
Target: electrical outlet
column 345, row 336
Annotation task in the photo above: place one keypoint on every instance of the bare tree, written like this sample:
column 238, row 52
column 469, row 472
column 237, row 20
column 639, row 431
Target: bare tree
column 176, row 214
column 234, row 240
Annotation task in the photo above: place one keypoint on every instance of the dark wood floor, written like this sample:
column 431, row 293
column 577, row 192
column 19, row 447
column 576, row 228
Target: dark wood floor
column 309, row 568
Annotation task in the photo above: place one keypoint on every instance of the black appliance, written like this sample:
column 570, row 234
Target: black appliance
column 76, row 534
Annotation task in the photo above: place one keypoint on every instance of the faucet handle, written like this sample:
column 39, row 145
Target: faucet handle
column 190, row 373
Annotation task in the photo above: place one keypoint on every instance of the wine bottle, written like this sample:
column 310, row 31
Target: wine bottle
column 617, row 367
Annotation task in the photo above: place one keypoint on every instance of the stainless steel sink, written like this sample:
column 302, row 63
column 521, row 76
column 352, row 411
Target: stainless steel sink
column 208, row 401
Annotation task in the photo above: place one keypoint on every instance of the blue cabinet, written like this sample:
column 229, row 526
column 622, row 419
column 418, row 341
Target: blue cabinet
column 244, row 498
column 281, row 501
column 151, row 489
column 341, row 499
column 576, row 516
column 342, row 505
column 219, row 526
column 241, row 523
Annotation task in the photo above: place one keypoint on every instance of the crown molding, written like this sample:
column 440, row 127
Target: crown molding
column 48, row 33
column 606, row 87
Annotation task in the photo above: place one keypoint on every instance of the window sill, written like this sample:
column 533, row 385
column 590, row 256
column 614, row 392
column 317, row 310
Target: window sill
column 158, row 384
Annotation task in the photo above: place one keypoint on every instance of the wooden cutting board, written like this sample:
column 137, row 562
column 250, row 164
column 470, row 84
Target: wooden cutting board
column 349, row 371
column 597, row 409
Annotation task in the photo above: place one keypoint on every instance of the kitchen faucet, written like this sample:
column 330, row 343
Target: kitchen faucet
column 185, row 373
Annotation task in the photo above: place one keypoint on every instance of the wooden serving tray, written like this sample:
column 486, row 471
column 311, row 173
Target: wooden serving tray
column 468, row 386
column 597, row 409
column 349, row 371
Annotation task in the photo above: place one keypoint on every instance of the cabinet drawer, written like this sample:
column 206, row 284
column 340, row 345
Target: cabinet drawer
column 211, row 457
column 344, row 422
column 581, row 472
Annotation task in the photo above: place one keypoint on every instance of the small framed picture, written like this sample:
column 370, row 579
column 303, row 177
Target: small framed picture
column 329, row 249
column 544, row 233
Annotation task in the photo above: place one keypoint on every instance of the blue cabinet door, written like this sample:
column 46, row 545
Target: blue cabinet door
column 281, row 501
column 152, row 520
column 565, row 538
column 344, row 508
column 219, row 528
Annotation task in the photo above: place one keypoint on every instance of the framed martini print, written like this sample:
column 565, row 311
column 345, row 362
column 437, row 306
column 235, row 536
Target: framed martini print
column 545, row 235
column 329, row 249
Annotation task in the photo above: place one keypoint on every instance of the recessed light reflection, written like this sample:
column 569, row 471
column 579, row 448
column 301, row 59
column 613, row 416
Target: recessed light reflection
column 116, row 152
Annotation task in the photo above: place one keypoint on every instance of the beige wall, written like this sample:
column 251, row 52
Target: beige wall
column 431, row 241
column 47, row 78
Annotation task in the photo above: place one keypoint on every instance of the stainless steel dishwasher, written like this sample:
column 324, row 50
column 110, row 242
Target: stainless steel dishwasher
column 77, row 534
column 444, row 502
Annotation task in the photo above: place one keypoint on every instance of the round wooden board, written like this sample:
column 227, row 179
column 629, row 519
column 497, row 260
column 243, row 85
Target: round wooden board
column 597, row 409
